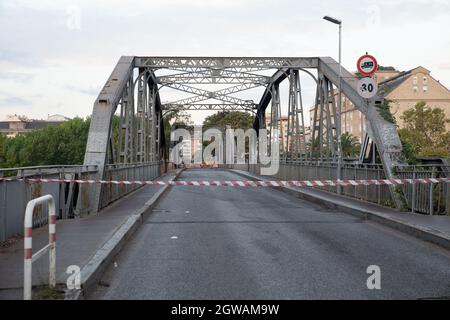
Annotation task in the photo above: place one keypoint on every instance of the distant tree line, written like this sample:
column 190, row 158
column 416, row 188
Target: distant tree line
column 424, row 134
column 63, row 144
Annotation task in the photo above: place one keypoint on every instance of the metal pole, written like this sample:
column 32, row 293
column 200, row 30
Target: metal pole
column 431, row 193
column 338, row 114
column 413, row 196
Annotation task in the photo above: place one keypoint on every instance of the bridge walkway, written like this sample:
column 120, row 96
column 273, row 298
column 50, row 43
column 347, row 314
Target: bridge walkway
column 77, row 240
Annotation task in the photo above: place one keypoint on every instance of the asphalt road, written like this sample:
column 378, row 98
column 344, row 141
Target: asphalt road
column 259, row 243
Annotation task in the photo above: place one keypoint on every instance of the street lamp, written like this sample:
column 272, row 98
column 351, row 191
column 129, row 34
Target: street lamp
column 339, row 108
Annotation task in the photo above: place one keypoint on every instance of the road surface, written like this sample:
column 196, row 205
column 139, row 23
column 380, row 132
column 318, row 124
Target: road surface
column 259, row 243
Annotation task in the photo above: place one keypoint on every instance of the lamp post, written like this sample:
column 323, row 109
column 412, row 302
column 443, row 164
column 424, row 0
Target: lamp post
column 339, row 107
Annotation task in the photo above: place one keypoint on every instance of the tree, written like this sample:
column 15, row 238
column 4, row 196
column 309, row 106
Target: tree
column 176, row 119
column 425, row 131
column 3, row 142
column 234, row 119
column 62, row 144
column 384, row 110
column 350, row 145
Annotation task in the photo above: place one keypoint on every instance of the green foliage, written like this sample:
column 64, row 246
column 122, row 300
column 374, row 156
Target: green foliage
column 234, row 119
column 3, row 142
column 177, row 119
column 408, row 151
column 350, row 145
column 425, row 132
column 384, row 110
column 63, row 144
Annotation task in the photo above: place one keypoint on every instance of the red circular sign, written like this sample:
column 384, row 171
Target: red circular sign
column 367, row 65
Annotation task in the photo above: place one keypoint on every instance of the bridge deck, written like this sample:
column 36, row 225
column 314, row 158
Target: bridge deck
column 241, row 243
column 256, row 243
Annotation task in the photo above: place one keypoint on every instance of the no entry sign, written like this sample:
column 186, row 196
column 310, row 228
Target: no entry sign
column 367, row 65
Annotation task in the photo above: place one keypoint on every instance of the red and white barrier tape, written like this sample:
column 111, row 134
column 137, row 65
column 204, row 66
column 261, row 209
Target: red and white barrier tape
column 242, row 183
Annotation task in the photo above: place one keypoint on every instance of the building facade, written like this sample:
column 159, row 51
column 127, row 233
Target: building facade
column 404, row 90
column 15, row 124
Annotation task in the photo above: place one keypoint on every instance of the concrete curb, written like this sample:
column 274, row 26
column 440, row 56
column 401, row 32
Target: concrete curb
column 94, row 269
column 418, row 231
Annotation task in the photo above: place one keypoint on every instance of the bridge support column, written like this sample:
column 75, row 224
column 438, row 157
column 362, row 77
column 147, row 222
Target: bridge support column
column 100, row 127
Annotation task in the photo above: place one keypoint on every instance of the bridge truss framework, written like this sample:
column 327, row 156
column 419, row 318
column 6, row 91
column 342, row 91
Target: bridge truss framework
column 133, row 92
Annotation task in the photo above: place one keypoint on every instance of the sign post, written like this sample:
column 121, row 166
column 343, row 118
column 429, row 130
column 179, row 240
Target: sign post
column 367, row 87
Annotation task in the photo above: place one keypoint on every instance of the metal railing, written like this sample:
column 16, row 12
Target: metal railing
column 426, row 198
column 71, row 199
column 15, row 194
column 421, row 198
column 144, row 171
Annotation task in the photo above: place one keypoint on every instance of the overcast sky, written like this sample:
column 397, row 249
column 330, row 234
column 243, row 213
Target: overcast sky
column 56, row 55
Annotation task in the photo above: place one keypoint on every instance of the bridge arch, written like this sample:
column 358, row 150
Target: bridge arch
column 141, row 137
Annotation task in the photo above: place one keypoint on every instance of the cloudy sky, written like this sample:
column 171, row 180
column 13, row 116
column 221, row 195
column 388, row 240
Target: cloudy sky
column 56, row 55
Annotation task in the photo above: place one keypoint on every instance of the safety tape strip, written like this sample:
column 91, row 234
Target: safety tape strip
column 241, row 183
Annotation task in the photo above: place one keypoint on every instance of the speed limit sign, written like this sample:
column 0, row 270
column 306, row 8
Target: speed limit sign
column 367, row 88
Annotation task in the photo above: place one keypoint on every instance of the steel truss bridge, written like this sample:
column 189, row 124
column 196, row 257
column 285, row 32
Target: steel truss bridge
column 138, row 150
column 133, row 91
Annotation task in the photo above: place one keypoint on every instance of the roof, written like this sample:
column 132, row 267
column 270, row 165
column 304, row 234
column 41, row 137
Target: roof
column 387, row 86
column 386, row 68
column 57, row 117
column 39, row 124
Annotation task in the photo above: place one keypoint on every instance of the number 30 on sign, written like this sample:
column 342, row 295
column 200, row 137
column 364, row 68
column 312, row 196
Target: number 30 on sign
column 367, row 88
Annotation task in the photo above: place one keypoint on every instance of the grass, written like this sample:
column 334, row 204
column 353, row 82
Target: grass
column 44, row 292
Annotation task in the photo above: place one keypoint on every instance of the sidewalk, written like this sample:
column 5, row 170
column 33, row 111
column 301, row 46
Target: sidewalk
column 77, row 241
column 434, row 228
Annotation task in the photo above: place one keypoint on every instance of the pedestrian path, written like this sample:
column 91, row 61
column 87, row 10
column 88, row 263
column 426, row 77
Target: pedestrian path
column 77, row 240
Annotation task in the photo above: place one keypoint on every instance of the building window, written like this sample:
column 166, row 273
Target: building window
column 425, row 80
column 415, row 80
column 425, row 88
column 414, row 89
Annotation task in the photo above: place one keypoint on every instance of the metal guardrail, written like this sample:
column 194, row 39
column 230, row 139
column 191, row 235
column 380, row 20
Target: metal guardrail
column 430, row 199
column 420, row 198
column 71, row 199
column 144, row 171
column 14, row 195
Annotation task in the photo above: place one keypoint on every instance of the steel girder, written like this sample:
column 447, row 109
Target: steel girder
column 383, row 132
column 296, row 140
column 276, row 79
column 209, row 106
column 222, row 95
column 323, row 128
column 214, row 76
column 140, row 134
column 226, row 62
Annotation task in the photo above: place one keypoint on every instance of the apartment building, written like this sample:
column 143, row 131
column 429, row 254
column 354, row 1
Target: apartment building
column 15, row 124
column 404, row 89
